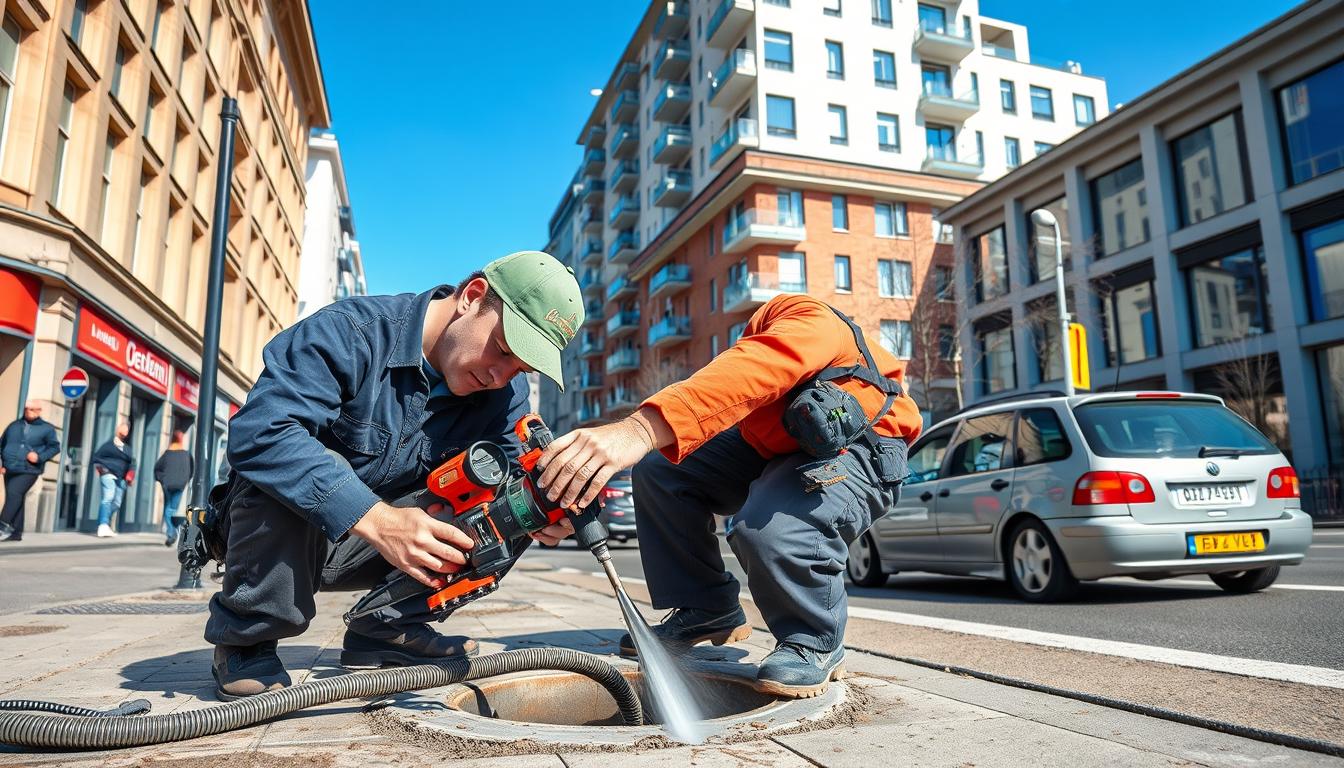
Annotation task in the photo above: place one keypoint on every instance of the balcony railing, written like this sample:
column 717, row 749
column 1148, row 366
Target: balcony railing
column 735, row 75
column 673, row 102
column 589, row 413
column 622, row 323
column 592, row 251
column 591, row 346
column 625, row 140
column 625, row 106
column 754, row 228
column 673, row 144
column 673, row 190
column 591, row 220
column 669, row 330
column 624, row 248
column 673, row 19
column 592, row 312
column 622, row 360
column 669, row 279
column 625, row 175
column 590, row 280
column 946, row 160
column 593, row 189
column 593, row 162
column 728, row 20
column 621, row 288
column 940, row 41
column 753, row 289
column 741, row 133
column 627, row 75
column 624, row 213
column 590, row 380
column 673, row 59
column 595, row 136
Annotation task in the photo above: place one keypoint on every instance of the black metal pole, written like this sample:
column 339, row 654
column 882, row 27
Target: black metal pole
column 190, row 551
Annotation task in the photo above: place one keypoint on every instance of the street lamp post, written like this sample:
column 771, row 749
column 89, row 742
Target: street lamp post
column 1043, row 218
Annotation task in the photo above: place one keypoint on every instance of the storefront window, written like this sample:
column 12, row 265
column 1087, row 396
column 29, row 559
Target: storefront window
column 1120, row 208
column 1229, row 297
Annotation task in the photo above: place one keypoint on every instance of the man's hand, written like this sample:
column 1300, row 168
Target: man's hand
column 552, row 535
column 32, row 457
column 415, row 542
column 577, row 464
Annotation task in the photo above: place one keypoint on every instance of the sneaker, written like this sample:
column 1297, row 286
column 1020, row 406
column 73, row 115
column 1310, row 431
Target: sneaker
column 105, row 531
column 685, row 627
column 402, row 646
column 242, row 671
column 793, row 671
column 6, row 532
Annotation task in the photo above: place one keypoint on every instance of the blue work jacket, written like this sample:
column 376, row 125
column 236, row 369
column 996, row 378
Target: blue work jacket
column 349, row 379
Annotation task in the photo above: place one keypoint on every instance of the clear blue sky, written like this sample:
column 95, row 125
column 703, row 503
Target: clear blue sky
column 458, row 121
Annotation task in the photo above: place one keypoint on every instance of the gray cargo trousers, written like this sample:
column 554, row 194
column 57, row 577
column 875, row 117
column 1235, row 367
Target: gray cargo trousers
column 792, row 544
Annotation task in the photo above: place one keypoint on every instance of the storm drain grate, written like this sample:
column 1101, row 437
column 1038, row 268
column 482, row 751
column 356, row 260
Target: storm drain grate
column 114, row 607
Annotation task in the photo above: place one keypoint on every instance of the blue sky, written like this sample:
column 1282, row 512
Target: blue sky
column 458, row 122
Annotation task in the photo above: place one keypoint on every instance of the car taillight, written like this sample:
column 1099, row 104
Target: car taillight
column 612, row 493
column 1113, row 488
column 1282, row 484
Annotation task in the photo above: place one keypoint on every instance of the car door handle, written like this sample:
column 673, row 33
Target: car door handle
column 943, row 494
column 999, row 484
column 925, row 496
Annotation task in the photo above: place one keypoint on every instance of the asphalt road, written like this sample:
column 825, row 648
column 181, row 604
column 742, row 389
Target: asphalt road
column 1282, row 624
column 33, row 579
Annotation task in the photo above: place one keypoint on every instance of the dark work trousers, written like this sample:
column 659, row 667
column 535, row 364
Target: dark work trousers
column 276, row 562
column 792, row 544
column 17, row 485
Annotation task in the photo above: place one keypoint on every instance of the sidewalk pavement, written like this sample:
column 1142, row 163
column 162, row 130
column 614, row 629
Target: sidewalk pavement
column 66, row 541
column 913, row 716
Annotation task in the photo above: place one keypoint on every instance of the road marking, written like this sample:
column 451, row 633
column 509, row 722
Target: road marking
column 1202, row 583
column 1327, row 546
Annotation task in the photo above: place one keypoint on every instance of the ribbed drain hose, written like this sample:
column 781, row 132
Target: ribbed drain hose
column 67, row 732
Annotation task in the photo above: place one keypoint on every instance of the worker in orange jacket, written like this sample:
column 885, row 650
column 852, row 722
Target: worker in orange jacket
column 768, row 431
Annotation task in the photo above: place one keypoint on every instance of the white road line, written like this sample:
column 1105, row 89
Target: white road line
column 1327, row 546
column 1203, row 583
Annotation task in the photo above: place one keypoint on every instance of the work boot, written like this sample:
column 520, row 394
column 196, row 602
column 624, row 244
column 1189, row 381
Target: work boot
column 246, row 670
column 793, row 671
column 682, row 628
column 402, row 646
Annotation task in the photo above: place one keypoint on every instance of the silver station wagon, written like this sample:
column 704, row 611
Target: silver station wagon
column 1047, row 491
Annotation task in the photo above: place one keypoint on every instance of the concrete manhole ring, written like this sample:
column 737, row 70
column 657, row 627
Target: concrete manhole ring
column 543, row 710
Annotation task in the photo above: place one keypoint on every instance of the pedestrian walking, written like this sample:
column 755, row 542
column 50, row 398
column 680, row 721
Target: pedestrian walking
column 115, row 467
column 25, row 446
column 173, row 471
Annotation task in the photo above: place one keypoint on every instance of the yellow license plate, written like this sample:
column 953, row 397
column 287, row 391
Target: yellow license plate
column 1225, row 543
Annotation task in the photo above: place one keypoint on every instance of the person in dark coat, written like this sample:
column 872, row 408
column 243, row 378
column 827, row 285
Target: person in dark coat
column 173, row 471
column 25, row 446
column 115, row 468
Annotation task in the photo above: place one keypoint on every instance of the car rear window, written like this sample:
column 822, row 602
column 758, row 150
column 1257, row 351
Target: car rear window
column 1156, row 428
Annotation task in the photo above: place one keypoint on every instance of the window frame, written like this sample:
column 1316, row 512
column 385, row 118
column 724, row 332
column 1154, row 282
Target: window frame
column 1082, row 98
column 840, row 205
column 950, row 430
column 840, row 112
column 1290, row 179
column 1243, row 161
column 779, row 64
column 1007, row 96
column 835, row 51
column 1006, row 454
column 790, row 132
column 878, row 54
column 882, row 13
column 9, row 80
column 895, row 126
column 1019, row 460
column 1016, row 159
column 900, row 224
column 848, row 287
column 1050, row 100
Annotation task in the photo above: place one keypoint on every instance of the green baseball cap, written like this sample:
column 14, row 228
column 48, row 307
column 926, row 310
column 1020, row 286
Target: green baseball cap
column 543, row 308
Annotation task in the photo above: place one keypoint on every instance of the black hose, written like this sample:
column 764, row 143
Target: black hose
column 125, row 708
column 65, row 732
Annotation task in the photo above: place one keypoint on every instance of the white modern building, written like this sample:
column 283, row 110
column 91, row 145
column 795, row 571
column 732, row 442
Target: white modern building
column 330, row 267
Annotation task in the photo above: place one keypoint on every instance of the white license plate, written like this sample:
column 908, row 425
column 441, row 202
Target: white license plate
column 1210, row 495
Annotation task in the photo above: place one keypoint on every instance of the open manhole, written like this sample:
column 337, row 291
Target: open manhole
column 536, row 711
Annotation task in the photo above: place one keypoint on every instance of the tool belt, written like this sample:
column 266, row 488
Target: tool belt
column 826, row 420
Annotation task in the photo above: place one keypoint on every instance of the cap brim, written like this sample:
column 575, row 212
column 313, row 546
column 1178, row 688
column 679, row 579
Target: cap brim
column 532, row 347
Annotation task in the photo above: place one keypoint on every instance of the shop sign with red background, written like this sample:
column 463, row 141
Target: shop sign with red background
column 107, row 343
column 18, row 302
column 186, row 390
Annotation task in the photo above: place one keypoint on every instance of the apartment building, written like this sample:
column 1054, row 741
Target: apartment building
column 330, row 264
column 1204, row 229
column 109, row 131
column 744, row 148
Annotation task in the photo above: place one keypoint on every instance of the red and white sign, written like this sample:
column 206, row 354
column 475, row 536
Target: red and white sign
column 104, row 341
column 74, row 383
column 186, row 390
column 18, row 302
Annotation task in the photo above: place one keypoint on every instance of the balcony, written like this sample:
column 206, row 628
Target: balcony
column 593, row 313
column 592, row 346
column 673, row 145
column 624, row 213
column 755, row 289
column 670, row 280
column 589, row 414
column 624, row 176
column 734, row 78
column 589, row 381
column 591, row 220
column 627, row 76
column 729, row 22
column 673, row 19
column 672, row 60
column 594, row 161
column 591, row 282
column 938, row 41
column 622, row 323
column 626, row 107
column 592, row 253
column 945, row 161
column 623, row 399
column 939, row 104
column 750, row 229
column 622, row 361
column 670, row 330
column 673, row 190
column 592, row 191
column 625, row 142
column 741, row 134
column 595, row 136
column 621, row 288
column 673, row 103
column 624, row 248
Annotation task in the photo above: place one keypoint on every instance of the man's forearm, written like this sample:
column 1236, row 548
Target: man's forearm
column 653, row 423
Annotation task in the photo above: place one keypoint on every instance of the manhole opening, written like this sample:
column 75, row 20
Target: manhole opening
column 568, row 699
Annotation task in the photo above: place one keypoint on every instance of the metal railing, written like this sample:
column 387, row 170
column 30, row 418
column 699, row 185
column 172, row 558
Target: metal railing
column 672, row 273
column 739, row 129
column 1322, row 491
column 675, row 325
column 743, row 221
column 740, row 58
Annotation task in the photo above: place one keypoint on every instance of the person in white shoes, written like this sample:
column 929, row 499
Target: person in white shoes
column 115, row 467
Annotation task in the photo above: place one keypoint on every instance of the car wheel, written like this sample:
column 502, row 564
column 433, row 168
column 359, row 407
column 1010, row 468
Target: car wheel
column 1036, row 566
column 865, row 565
column 1243, row 582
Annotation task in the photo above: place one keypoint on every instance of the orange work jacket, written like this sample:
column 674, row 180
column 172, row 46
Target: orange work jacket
column 787, row 342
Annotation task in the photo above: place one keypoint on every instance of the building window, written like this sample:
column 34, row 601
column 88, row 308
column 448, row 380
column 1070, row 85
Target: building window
column 1043, row 325
column 942, row 283
column 1012, row 152
column 1042, row 242
column 105, row 190
column 839, row 124
column 1323, row 252
column 145, row 181
column 792, row 273
column 884, row 69
column 779, row 116
column 889, row 219
column 933, row 18
column 780, row 3
column 942, row 233
column 1330, row 364
column 1120, row 208
column 1008, row 97
column 1042, row 105
column 118, row 65
column 778, row 50
column 831, row 7
column 790, row 207
column 843, row 282
column 997, row 371
column 835, row 60
column 714, row 345
column 77, row 18
column 895, row 279
column 888, row 133
column 1129, row 323
column 990, row 265
column 937, row 80
column 150, row 104
column 839, row 213
column 897, row 339
column 882, row 13
column 713, row 294
column 1311, row 112
column 10, row 37
column 1042, row 147
column 1229, row 297
column 158, row 22
column 735, row 332
column 947, row 342
column 941, row 142
column 1210, row 171
column 1084, row 111
column 63, row 129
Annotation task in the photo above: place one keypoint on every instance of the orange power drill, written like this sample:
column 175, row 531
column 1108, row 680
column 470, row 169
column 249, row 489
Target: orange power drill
column 498, row 504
